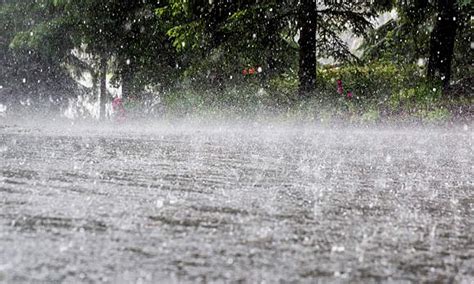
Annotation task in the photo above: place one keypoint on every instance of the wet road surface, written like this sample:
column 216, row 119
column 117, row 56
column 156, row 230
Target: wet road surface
column 222, row 204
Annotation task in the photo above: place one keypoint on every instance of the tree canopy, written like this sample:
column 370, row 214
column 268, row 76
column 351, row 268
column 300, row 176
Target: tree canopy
column 164, row 43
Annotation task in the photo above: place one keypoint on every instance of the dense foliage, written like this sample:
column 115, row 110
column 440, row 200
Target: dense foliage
column 236, row 54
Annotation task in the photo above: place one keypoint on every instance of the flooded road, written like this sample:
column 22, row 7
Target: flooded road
column 174, row 203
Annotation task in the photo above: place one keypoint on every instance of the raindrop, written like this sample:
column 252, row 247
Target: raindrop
column 159, row 203
column 259, row 69
column 173, row 200
column 24, row 80
column 338, row 249
column 128, row 62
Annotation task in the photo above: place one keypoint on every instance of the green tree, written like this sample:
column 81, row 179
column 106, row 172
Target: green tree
column 119, row 37
column 269, row 30
column 439, row 31
column 34, row 40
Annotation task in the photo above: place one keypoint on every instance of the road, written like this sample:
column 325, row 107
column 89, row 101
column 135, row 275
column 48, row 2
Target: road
column 221, row 203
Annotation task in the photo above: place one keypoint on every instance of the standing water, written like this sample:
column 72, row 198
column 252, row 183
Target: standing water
column 223, row 203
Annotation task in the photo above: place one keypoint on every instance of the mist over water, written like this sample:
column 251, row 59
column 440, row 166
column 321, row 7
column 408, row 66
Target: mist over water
column 183, row 200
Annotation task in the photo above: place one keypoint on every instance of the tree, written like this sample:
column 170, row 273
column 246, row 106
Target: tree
column 442, row 42
column 270, row 30
column 34, row 44
column 128, row 39
column 438, row 30
column 307, row 46
column 122, row 38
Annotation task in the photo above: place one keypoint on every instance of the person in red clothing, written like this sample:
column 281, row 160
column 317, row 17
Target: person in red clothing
column 340, row 90
column 118, row 110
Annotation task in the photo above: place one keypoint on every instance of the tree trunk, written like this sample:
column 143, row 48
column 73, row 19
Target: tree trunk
column 95, row 87
column 442, row 43
column 307, row 43
column 103, row 86
column 127, row 76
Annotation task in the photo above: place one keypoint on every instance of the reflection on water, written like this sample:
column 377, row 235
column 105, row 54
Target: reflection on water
column 270, row 203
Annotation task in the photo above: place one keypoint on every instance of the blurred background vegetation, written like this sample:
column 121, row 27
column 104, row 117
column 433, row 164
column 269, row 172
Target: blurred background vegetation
column 360, row 61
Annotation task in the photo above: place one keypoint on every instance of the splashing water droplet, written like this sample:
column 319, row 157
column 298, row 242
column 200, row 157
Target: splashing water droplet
column 338, row 249
column 159, row 203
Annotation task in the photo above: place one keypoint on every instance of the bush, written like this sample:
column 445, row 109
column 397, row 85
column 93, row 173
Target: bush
column 379, row 89
column 410, row 100
column 376, row 81
column 435, row 115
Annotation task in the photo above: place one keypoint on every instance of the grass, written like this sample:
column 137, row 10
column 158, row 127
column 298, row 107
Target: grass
column 382, row 92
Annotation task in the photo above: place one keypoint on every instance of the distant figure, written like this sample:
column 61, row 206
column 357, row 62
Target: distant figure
column 340, row 90
column 118, row 110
